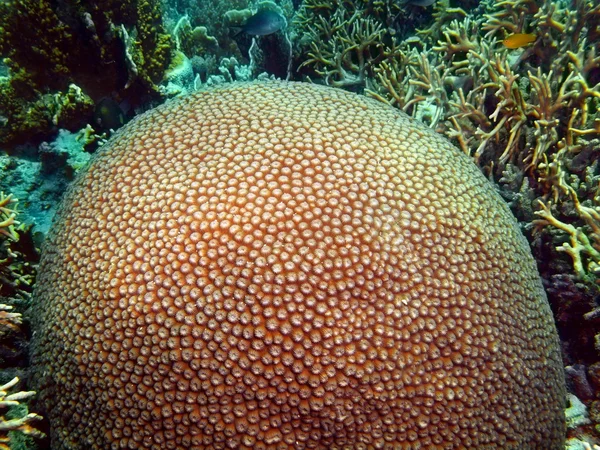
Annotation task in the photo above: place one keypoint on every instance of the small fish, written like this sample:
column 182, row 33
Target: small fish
column 519, row 40
column 263, row 23
column 109, row 114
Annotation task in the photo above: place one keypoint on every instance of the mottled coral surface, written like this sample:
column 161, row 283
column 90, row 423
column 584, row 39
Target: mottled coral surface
column 284, row 265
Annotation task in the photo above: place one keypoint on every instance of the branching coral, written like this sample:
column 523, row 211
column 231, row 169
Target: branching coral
column 443, row 15
column 8, row 212
column 13, row 275
column 347, row 40
column 19, row 424
column 10, row 323
column 508, row 16
column 584, row 242
column 16, row 273
column 344, row 48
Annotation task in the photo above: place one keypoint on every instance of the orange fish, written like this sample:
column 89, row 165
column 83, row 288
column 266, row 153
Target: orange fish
column 519, row 40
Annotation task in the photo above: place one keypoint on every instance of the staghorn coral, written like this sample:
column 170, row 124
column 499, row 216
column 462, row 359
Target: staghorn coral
column 8, row 212
column 343, row 48
column 490, row 116
column 16, row 273
column 340, row 42
column 584, row 243
column 19, row 424
column 316, row 270
column 567, row 105
column 10, row 325
column 508, row 16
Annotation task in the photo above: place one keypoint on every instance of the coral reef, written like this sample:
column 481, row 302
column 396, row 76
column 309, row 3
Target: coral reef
column 16, row 274
column 18, row 261
column 41, row 117
column 210, row 32
column 39, row 175
column 528, row 116
column 342, row 41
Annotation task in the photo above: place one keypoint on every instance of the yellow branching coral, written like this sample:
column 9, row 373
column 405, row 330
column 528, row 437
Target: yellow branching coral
column 22, row 424
column 460, row 37
column 443, row 15
column 7, row 216
column 584, row 244
column 16, row 270
column 509, row 17
column 13, row 274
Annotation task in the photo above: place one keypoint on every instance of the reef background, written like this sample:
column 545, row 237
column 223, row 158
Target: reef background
column 528, row 117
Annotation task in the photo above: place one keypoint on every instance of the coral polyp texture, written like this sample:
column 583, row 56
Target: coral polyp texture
column 286, row 265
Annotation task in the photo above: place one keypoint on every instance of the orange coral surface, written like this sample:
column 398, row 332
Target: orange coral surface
column 284, row 265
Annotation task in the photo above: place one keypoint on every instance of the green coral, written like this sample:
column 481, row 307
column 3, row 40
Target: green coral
column 40, row 47
column 53, row 57
column 147, row 43
column 154, row 44
column 70, row 107
column 22, row 115
column 102, row 47
column 34, row 115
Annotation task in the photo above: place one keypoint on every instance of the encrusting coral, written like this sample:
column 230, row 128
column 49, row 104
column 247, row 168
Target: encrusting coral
column 280, row 265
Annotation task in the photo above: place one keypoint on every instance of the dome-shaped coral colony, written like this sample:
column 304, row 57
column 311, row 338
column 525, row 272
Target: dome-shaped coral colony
column 283, row 265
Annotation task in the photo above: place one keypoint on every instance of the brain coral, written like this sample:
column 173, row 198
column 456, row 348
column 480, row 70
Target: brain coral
column 283, row 265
